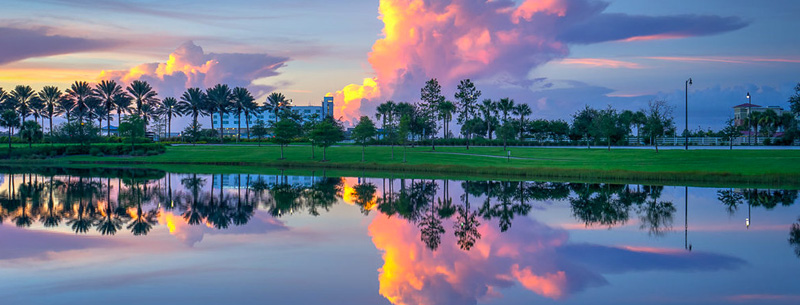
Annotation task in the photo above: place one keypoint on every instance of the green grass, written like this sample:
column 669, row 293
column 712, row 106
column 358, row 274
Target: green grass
column 742, row 167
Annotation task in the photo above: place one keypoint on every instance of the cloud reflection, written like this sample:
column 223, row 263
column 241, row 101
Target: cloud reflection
column 534, row 255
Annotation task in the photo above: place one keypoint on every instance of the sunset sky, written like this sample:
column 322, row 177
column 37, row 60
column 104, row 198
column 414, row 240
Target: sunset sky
column 556, row 55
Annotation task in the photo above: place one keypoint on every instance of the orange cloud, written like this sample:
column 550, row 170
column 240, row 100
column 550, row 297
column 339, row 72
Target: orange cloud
column 347, row 102
column 190, row 66
column 601, row 63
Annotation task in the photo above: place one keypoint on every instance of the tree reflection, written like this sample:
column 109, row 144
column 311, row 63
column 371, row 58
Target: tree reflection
column 466, row 225
column 90, row 199
column 794, row 237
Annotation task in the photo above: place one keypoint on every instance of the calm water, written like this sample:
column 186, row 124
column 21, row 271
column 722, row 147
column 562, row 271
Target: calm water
column 146, row 236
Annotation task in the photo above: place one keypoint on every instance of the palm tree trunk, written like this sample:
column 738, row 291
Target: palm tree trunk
column 220, row 126
column 247, row 123
column 282, row 152
column 362, row 152
column 239, row 129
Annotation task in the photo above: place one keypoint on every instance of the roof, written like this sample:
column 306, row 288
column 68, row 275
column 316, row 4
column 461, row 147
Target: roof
column 747, row 105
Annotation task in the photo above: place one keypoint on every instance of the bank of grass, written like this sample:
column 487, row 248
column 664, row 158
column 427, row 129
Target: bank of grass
column 779, row 168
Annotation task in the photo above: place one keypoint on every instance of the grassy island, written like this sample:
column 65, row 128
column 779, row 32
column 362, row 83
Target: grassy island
column 742, row 166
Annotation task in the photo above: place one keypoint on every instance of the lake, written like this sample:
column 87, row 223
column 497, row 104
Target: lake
column 141, row 236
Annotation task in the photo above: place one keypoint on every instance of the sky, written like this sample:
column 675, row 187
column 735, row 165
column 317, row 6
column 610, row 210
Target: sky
column 555, row 55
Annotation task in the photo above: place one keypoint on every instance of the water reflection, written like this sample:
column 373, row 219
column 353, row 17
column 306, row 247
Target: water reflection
column 461, row 241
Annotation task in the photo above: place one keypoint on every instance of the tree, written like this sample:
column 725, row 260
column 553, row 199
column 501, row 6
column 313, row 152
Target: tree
column 609, row 125
column 794, row 236
column 276, row 102
column 363, row 133
column 193, row 102
column 142, row 94
column 242, row 99
column 326, row 133
column 446, row 110
column 731, row 131
column 582, row 124
column 106, row 90
column 168, row 108
column 659, row 119
column 50, row 96
column 522, row 110
column 80, row 92
column 132, row 126
column 794, row 101
column 21, row 97
column 467, row 98
column 260, row 130
column 250, row 108
column 489, row 110
column 30, row 131
column 385, row 112
column 403, row 131
column 66, row 104
column 507, row 130
column 220, row 97
column 506, row 106
column 431, row 96
column 123, row 103
column 9, row 120
column 284, row 132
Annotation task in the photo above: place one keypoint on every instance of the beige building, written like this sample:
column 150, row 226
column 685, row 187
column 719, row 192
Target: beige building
column 740, row 112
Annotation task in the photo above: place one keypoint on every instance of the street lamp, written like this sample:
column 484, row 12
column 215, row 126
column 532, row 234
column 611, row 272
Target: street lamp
column 686, row 131
column 749, row 105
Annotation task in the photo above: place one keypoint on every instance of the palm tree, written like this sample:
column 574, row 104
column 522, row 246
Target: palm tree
column 506, row 106
column 168, row 107
column 241, row 99
column 522, row 110
column 193, row 102
column 22, row 96
column 107, row 91
column 142, row 93
column 123, row 103
column 66, row 104
column 50, row 96
column 384, row 112
column 446, row 110
column 80, row 92
column 275, row 103
column 220, row 98
column 753, row 121
column 489, row 109
column 767, row 122
column 251, row 108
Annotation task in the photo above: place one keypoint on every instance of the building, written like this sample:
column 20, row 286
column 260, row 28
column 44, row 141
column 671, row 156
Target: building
column 235, row 181
column 741, row 112
column 230, row 121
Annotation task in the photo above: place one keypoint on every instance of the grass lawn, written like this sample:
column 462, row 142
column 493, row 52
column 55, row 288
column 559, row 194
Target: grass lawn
column 774, row 167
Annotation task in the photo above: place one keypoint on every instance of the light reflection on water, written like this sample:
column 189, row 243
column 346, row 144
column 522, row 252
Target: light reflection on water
column 75, row 235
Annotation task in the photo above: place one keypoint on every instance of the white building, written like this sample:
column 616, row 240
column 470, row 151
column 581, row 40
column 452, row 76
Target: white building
column 230, row 121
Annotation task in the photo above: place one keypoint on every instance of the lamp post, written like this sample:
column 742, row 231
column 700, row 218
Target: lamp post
column 749, row 105
column 686, row 131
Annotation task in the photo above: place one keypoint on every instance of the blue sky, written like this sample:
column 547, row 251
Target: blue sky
column 622, row 53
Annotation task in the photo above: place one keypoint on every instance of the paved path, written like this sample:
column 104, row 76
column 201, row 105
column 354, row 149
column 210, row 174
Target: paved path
column 494, row 156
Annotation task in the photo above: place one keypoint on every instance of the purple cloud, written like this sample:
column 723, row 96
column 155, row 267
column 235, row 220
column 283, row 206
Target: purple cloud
column 20, row 44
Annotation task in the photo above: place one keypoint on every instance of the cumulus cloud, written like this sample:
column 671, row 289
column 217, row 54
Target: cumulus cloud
column 190, row 66
column 260, row 223
column 20, row 44
column 500, row 40
column 533, row 255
